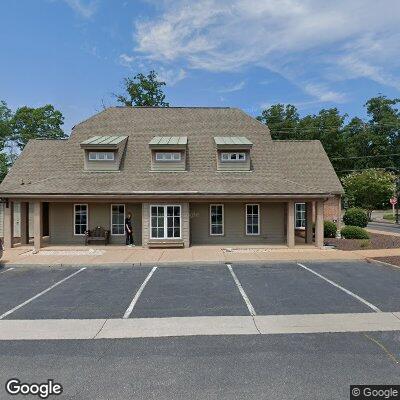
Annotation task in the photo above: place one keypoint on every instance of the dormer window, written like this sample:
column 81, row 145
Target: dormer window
column 233, row 157
column 233, row 153
column 101, row 156
column 166, row 156
column 168, row 153
column 103, row 153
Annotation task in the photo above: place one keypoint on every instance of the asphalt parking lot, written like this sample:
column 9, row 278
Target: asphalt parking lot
column 184, row 291
column 251, row 366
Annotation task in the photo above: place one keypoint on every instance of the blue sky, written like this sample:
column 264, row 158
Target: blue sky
column 241, row 53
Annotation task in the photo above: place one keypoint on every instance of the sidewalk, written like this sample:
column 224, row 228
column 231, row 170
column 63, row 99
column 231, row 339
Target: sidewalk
column 121, row 255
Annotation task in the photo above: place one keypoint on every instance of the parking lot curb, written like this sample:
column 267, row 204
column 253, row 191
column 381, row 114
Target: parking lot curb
column 368, row 259
column 177, row 263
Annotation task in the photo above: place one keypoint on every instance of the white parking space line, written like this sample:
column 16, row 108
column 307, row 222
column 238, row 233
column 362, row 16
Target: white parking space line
column 9, row 269
column 367, row 303
column 129, row 310
column 40, row 294
column 242, row 292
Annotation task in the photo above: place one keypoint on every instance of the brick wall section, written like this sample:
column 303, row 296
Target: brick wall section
column 332, row 209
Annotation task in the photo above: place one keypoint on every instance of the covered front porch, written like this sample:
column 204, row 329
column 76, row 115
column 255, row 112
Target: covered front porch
column 222, row 223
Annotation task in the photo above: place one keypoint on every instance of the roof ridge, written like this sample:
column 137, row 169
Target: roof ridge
column 295, row 140
column 189, row 107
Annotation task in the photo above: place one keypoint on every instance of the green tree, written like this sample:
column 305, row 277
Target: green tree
column 5, row 127
column 5, row 135
column 143, row 90
column 4, row 165
column 370, row 189
column 282, row 121
column 36, row 123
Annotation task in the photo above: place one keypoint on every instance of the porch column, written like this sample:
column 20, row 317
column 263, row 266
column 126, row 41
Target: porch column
column 37, row 225
column 290, row 224
column 319, row 224
column 309, row 222
column 8, row 231
column 24, row 218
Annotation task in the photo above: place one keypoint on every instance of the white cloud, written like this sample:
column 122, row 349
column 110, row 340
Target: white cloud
column 234, row 88
column 170, row 76
column 85, row 9
column 126, row 60
column 295, row 38
column 323, row 94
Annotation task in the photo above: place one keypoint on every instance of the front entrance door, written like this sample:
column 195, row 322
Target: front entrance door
column 165, row 222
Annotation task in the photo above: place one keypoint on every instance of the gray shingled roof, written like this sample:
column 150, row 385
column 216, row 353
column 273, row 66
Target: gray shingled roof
column 278, row 167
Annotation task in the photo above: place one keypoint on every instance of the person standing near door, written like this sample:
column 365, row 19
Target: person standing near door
column 128, row 230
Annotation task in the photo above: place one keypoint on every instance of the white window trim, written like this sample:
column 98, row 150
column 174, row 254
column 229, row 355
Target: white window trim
column 97, row 159
column 258, row 219
column 168, row 161
column 165, row 222
column 233, row 152
column 223, row 220
column 295, row 216
column 87, row 218
column 111, row 222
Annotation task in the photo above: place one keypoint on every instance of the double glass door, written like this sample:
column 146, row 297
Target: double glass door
column 165, row 222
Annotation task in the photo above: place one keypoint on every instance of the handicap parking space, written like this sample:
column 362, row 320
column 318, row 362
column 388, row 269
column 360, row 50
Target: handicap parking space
column 94, row 293
column 190, row 291
column 20, row 284
column 285, row 288
column 377, row 283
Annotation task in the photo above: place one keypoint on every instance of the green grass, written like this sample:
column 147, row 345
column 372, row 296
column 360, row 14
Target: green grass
column 389, row 217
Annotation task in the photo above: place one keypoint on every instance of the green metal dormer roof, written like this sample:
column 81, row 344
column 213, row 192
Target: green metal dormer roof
column 232, row 141
column 168, row 141
column 104, row 140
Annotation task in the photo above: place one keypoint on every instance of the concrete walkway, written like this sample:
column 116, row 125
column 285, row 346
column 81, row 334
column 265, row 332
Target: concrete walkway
column 63, row 329
column 121, row 255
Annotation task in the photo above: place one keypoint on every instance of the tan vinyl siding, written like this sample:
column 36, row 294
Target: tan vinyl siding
column 102, row 165
column 62, row 215
column 272, row 222
column 233, row 165
column 185, row 229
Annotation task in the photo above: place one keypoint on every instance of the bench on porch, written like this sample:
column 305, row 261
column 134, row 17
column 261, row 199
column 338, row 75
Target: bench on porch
column 165, row 244
column 97, row 234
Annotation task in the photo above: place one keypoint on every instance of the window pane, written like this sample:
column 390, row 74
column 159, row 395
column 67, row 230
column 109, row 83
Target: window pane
column 154, row 232
column 170, row 232
column 118, row 219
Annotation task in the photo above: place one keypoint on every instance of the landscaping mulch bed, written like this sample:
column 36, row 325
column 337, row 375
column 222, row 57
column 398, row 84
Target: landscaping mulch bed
column 395, row 260
column 376, row 241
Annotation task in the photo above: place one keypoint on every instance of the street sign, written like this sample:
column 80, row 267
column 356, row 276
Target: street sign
column 393, row 201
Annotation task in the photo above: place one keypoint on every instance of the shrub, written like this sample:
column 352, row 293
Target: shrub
column 330, row 229
column 356, row 217
column 354, row 232
column 365, row 243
